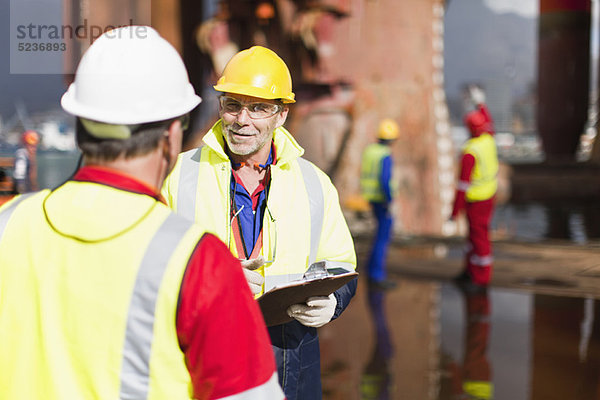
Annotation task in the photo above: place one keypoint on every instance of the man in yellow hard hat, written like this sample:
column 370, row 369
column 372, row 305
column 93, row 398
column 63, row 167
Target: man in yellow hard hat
column 278, row 212
column 105, row 293
column 379, row 188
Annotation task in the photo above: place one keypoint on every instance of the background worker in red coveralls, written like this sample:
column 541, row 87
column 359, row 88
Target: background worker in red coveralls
column 476, row 189
column 104, row 292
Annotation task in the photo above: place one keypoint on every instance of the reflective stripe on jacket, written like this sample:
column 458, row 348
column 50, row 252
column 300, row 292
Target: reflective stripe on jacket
column 126, row 323
column 289, row 239
column 484, row 178
column 370, row 174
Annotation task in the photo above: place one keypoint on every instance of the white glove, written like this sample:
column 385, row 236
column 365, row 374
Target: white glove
column 316, row 312
column 254, row 279
column 477, row 95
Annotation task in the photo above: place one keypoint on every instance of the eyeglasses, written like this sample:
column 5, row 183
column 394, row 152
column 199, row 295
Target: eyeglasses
column 272, row 260
column 232, row 106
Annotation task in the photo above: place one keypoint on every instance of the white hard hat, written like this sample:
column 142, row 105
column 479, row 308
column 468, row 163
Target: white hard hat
column 130, row 75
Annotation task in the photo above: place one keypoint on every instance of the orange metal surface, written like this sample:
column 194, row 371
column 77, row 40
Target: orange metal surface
column 547, row 6
column 5, row 198
column 6, row 184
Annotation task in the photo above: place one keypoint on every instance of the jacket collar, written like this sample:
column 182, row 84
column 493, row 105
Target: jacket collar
column 116, row 179
column 287, row 149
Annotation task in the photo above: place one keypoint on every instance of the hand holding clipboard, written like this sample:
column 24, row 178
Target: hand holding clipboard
column 318, row 281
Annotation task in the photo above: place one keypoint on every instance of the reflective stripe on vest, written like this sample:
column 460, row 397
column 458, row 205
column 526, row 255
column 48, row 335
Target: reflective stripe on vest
column 6, row 213
column 135, row 370
column 186, row 206
column 316, row 201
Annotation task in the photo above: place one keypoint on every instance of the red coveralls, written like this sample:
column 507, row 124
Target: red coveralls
column 479, row 213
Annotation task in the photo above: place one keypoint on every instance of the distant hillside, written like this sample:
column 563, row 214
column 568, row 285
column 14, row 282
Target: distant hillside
column 481, row 45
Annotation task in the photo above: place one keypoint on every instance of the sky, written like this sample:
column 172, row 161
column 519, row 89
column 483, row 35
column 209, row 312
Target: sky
column 525, row 8
column 530, row 8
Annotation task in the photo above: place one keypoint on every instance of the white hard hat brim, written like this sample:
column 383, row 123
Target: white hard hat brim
column 109, row 116
column 130, row 75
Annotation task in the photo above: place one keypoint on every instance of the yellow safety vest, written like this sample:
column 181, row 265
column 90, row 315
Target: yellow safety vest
column 88, row 298
column 483, row 390
column 484, row 178
column 298, row 228
column 370, row 173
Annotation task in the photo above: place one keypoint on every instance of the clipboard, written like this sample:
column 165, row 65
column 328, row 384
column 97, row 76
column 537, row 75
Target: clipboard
column 276, row 301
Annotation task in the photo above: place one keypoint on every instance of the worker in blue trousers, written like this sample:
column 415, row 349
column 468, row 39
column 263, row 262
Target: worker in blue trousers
column 379, row 188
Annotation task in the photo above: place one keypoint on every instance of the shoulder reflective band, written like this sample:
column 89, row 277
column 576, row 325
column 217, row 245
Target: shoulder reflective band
column 135, row 370
column 5, row 214
column 314, row 192
column 187, row 188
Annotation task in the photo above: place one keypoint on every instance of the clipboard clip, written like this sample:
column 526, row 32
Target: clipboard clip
column 316, row 271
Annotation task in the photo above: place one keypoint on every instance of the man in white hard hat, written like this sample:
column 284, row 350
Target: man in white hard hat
column 277, row 211
column 104, row 292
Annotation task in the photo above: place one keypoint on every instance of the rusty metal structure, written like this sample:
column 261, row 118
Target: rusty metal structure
column 563, row 75
column 354, row 62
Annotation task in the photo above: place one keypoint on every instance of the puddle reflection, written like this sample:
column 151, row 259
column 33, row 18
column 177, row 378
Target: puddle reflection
column 376, row 378
column 472, row 378
column 577, row 222
column 426, row 340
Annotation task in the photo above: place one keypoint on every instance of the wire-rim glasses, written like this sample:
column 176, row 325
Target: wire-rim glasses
column 257, row 110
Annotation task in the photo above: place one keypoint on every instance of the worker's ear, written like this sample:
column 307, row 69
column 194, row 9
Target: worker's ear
column 174, row 139
column 282, row 116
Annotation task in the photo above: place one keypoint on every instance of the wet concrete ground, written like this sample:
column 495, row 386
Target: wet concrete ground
column 534, row 335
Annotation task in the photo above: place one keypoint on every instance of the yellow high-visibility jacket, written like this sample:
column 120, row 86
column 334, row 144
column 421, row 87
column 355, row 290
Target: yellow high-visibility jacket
column 371, row 185
column 303, row 223
column 484, row 178
column 124, row 267
column 295, row 234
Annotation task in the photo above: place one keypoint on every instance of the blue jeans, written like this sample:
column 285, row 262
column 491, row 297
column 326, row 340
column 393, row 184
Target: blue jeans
column 376, row 266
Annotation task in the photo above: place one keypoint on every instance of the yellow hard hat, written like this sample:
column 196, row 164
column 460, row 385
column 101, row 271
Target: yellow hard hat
column 388, row 129
column 257, row 72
